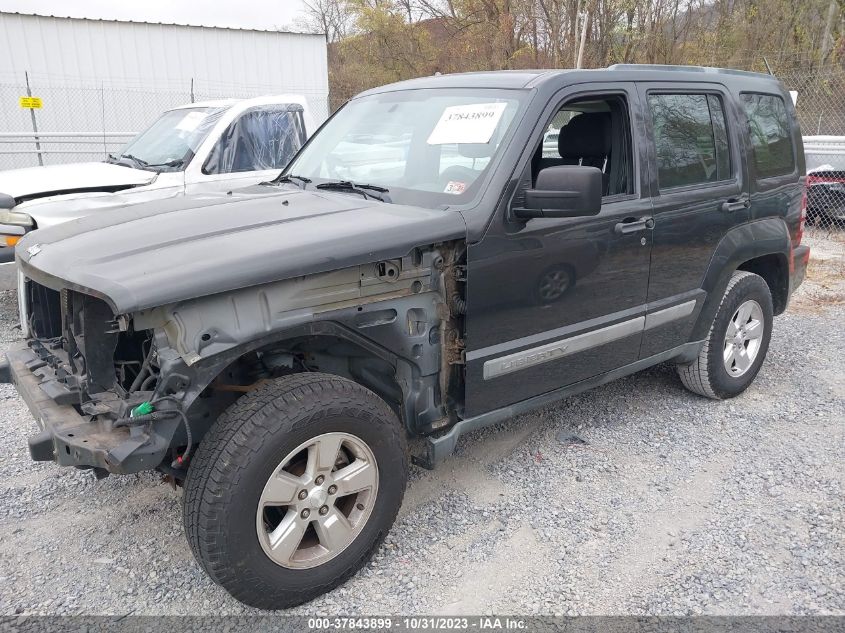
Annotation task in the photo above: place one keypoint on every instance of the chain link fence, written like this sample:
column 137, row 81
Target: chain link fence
column 79, row 121
column 821, row 111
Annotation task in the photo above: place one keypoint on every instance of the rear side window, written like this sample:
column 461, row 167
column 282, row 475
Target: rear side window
column 690, row 138
column 771, row 138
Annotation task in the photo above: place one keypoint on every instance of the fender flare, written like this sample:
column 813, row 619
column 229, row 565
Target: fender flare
column 767, row 236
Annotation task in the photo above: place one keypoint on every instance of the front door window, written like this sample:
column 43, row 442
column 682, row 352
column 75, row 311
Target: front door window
column 261, row 139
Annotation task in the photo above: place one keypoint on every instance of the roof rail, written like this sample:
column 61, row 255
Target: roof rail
column 687, row 69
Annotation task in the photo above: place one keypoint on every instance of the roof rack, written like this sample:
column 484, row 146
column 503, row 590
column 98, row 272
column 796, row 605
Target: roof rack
column 686, row 69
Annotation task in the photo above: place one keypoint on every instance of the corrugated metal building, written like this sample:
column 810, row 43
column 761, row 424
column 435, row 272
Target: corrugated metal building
column 109, row 78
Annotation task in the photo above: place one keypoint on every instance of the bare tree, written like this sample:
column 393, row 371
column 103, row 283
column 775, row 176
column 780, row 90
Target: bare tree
column 376, row 41
column 331, row 17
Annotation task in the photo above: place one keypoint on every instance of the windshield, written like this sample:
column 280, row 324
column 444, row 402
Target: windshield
column 428, row 147
column 169, row 144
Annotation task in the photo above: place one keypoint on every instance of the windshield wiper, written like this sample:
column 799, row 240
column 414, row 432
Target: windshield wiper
column 125, row 160
column 290, row 178
column 354, row 187
column 178, row 162
column 140, row 162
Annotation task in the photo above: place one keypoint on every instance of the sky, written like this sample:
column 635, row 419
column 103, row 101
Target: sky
column 262, row 14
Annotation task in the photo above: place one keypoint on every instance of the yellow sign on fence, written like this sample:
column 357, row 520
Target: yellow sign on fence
column 30, row 102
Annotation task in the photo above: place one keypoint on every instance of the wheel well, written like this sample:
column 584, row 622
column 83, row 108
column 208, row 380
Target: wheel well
column 774, row 269
column 325, row 354
column 341, row 357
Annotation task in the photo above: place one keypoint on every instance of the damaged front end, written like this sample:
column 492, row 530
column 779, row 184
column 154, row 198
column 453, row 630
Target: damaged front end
column 89, row 379
column 122, row 393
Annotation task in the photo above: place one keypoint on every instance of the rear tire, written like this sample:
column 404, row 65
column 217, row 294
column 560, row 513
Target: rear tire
column 737, row 343
column 269, row 475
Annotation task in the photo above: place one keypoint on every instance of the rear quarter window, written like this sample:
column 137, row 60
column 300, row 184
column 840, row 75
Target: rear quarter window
column 771, row 134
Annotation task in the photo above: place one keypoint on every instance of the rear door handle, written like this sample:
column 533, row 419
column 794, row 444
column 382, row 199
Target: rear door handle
column 735, row 204
column 633, row 225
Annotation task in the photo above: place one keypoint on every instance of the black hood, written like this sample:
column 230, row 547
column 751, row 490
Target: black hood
column 161, row 252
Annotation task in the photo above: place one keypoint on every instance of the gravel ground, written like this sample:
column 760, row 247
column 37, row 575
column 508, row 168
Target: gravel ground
column 634, row 498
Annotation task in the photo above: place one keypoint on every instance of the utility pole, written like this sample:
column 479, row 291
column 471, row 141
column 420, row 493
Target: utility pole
column 827, row 39
column 583, row 43
column 575, row 34
column 34, row 123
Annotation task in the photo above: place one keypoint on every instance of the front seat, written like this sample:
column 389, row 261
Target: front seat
column 585, row 140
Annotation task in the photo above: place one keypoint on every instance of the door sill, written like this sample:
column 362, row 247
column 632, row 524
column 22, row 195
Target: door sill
column 439, row 448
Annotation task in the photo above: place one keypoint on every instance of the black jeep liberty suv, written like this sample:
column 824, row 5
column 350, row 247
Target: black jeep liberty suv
column 444, row 253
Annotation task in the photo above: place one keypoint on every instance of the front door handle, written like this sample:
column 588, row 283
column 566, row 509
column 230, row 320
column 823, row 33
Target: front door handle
column 732, row 205
column 633, row 225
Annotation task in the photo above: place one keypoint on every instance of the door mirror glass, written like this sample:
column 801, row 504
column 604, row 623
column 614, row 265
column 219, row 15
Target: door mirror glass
column 565, row 191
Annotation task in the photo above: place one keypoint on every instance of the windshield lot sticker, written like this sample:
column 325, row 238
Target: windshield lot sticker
column 455, row 188
column 191, row 121
column 467, row 124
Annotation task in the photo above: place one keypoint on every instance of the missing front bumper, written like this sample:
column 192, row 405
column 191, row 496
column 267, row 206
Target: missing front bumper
column 69, row 438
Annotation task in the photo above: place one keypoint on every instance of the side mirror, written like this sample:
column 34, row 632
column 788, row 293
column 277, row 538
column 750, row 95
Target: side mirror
column 6, row 201
column 566, row 191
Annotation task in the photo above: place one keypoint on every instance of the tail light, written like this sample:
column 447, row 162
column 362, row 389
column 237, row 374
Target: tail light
column 803, row 218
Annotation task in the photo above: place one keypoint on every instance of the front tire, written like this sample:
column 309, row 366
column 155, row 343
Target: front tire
column 293, row 489
column 737, row 343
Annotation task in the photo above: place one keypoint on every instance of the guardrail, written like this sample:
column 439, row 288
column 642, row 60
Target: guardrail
column 27, row 149
column 825, row 182
column 820, row 151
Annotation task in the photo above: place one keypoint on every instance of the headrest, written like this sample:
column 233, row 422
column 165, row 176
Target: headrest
column 587, row 135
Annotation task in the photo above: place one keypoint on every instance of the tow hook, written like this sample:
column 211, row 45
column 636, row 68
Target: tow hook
column 5, row 371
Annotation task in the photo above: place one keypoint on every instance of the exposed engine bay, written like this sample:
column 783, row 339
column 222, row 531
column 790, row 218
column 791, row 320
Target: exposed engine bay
column 144, row 388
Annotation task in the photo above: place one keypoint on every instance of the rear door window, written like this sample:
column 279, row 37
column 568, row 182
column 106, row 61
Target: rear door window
column 771, row 136
column 690, row 139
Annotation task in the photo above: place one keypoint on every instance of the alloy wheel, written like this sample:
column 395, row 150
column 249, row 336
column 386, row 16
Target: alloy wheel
column 743, row 338
column 317, row 500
